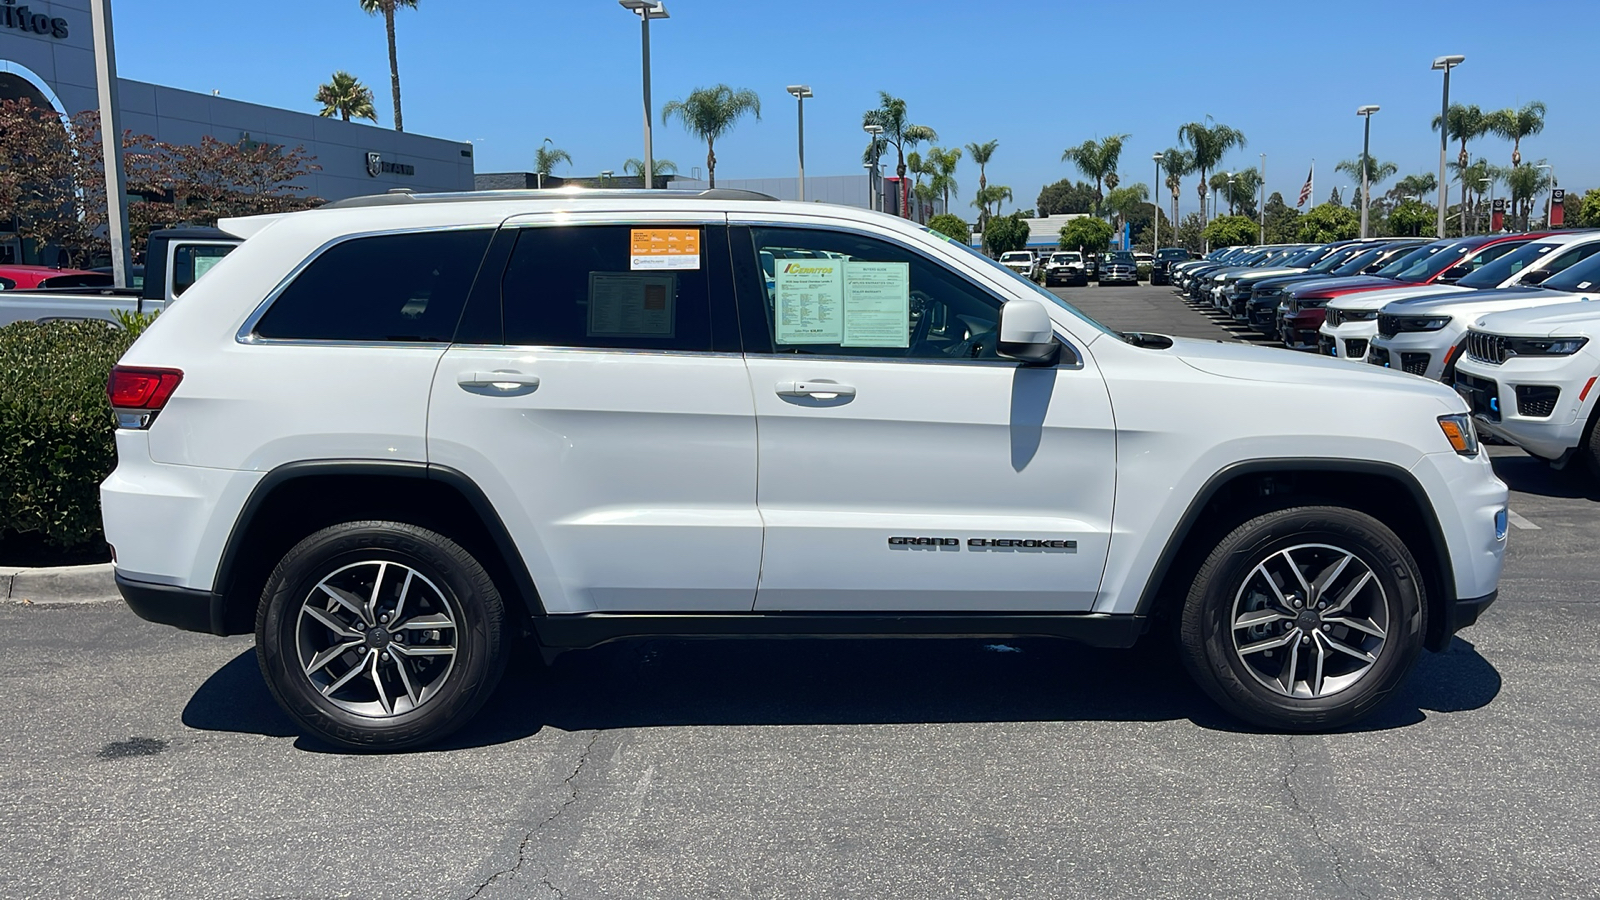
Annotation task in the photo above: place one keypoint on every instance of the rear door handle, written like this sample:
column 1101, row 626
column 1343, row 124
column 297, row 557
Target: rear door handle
column 498, row 381
column 822, row 390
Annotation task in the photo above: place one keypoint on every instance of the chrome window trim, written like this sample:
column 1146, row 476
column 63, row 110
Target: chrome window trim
column 608, row 351
column 246, row 333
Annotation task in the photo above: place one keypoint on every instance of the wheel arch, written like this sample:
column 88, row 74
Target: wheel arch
column 1246, row 489
column 297, row 498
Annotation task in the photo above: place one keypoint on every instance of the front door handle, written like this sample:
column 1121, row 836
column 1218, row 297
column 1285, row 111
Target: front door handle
column 507, row 382
column 822, row 390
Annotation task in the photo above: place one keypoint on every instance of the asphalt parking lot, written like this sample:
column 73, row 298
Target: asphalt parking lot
column 144, row 762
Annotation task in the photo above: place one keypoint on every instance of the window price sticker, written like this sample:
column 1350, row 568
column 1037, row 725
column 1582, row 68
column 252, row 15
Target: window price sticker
column 659, row 249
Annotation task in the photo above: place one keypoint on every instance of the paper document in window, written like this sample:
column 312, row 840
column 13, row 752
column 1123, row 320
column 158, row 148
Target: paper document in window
column 203, row 264
column 654, row 249
column 877, row 304
column 809, row 296
column 627, row 304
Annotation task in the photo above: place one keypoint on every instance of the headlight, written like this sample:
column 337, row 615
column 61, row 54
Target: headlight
column 1360, row 315
column 1459, row 432
column 1546, row 347
column 1422, row 323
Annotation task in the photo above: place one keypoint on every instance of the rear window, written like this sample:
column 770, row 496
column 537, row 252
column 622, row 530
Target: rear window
column 77, row 279
column 1583, row 276
column 393, row 287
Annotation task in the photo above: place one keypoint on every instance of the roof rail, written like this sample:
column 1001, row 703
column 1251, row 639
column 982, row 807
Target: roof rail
column 406, row 198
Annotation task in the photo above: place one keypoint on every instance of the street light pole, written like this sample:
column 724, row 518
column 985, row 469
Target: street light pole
column 1366, row 155
column 872, row 177
column 1490, row 182
column 1155, row 192
column 801, row 92
column 105, row 58
column 1261, row 198
column 1445, row 63
column 647, row 10
column 1553, row 185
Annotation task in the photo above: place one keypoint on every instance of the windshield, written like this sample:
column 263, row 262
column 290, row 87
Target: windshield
column 1302, row 258
column 1119, row 256
column 1421, row 254
column 1032, row 286
column 1334, row 260
column 1583, row 276
column 1013, row 256
column 1493, row 274
column 1066, row 257
column 1171, row 253
column 1360, row 258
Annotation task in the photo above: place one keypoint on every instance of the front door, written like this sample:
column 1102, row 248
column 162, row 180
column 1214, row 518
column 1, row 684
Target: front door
column 905, row 466
column 605, row 411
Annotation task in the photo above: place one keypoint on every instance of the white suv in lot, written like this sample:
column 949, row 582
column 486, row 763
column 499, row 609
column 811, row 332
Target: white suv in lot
column 395, row 433
column 1530, row 376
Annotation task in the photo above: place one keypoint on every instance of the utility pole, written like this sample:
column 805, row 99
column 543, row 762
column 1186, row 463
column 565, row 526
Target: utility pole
column 105, row 64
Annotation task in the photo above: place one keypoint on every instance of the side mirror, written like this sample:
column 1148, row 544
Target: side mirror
column 1026, row 333
column 1535, row 277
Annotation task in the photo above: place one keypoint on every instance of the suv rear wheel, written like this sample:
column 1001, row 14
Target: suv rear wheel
column 1304, row 619
column 380, row 634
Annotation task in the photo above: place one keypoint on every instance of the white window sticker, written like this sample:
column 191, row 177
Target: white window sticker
column 809, row 294
column 631, row 305
column 203, row 264
column 877, row 304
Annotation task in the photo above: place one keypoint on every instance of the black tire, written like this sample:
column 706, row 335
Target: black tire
column 1209, row 632
column 452, row 584
column 1590, row 446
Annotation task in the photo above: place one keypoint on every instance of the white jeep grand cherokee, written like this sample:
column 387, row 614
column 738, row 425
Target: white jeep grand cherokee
column 397, row 432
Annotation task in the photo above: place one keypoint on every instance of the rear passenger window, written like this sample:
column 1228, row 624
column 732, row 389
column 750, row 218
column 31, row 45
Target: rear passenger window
column 392, row 287
column 609, row 286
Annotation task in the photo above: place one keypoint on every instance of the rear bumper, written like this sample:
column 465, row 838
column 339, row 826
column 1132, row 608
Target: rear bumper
column 165, row 604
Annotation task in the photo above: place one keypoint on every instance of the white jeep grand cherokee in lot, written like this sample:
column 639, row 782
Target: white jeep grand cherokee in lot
column 398, row 432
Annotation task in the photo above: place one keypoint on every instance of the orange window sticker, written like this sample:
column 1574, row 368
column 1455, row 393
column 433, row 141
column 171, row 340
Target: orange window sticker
column 655, row 249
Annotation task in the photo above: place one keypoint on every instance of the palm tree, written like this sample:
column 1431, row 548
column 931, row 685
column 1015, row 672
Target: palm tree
column 1208, row 142
column 710, row 113
column 994, row 195
column 943, row 180
column 898, row 133
column 345, row 96
column 1472, row 178
column 1242, row 192
column 1526, row 183
column 1097, row 160
column 1463, row 123
column 1377, row 172
column 636, row 167
column 387, row 8
column 981, row 154
column 547, row 157
column 1415, row 186
column 1122, row 202
column 1516, row 124
column 1176, row 162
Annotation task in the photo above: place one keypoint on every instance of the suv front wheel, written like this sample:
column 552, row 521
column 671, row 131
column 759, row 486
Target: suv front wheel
column 380, row 635
column 1304, row 619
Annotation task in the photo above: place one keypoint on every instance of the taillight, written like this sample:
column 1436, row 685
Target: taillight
column 137, row 394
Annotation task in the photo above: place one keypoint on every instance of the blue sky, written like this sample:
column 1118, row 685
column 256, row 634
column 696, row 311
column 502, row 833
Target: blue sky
column 505, row 74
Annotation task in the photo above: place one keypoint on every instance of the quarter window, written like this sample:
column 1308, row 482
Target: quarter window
column 623, row 287
column 190, row 261
column 841, row 294
column 393, row 287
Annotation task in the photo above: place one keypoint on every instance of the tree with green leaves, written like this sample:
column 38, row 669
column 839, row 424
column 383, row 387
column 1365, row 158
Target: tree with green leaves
column 1525, row 184
column 1087, row 233
column 386, row 9
column 952, row 227
column 1238, row 190
column 1332, row 221
column 344, row 96
column 1411, row 218
column 1097, row 160
column 942, row 172
column 548, row 156
column 981, row 154
column 1066, row 196
column 1463, row 122
column 1230, row 231
column 992, row 195
column 1209, row 142
column 1190, row 234
column 636, row 167
column 899, row 133
column 1282, row 221
column 709, row 113
column 1516, row 124
column 1004, row 234
column 1590, row 207
column 1124, row 201
column 1415, row 186
column 1176, row 163
column 1378, row 171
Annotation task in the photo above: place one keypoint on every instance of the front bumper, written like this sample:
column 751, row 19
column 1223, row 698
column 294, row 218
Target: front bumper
column 1300, row 329
column 1459, row 613
column 1348, row 340
column 1470, row 505
column 1491, row 392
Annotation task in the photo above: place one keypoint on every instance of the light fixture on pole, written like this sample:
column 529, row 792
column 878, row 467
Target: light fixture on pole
column 801, row 92
column 1553, row 185
column 1445, row 63
column 647, row 10
column 605, row 177
column 1366, row 112
column 1231, row 177
column 1155, row 188
column 872, row 189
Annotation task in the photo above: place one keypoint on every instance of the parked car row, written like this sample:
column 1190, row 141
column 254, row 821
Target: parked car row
column 1507, row 319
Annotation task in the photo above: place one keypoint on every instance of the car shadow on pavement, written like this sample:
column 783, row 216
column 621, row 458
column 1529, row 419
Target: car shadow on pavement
column 661, row 682
column 1528, row 475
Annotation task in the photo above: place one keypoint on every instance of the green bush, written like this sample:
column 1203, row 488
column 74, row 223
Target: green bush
column 56, row 428
column 1088, row 233
column 1329, row 222
column 952, row 227
column 1231, row 231
column 1005, row 233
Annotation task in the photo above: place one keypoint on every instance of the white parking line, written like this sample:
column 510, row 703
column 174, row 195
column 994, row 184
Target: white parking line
column 1520, row 522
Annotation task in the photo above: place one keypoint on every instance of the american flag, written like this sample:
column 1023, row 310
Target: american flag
column 1305, row 190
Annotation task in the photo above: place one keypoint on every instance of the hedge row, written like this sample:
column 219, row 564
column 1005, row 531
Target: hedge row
column 56, row 428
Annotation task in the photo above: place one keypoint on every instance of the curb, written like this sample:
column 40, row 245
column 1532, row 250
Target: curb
column 58, row 584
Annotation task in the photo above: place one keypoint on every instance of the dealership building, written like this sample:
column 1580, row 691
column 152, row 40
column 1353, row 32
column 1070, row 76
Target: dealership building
column 47, row 56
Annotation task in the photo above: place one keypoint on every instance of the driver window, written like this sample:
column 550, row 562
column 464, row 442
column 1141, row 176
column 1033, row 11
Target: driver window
column 838, row 294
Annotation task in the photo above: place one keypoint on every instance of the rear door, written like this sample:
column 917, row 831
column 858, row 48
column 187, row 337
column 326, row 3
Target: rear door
column 596, row 394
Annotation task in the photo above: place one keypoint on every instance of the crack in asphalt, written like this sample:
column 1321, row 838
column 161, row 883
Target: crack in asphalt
column 522, row 848
column 1311, row 817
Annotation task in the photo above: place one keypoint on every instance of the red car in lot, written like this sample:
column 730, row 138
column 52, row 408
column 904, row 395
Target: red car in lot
column 28, row 278
column 1441, row 262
